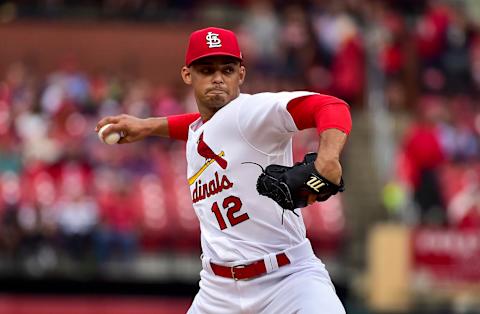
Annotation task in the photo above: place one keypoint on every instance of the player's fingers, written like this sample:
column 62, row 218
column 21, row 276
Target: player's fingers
column 123, row 140
column 115, row 127
column 106, row 120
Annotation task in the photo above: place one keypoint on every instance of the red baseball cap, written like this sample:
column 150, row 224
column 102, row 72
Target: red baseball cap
column 212, row 41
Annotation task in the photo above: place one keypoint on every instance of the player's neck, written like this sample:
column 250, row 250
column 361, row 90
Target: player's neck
column 207, row 111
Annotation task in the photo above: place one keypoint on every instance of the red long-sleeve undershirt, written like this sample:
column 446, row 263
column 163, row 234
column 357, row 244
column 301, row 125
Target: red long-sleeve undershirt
column 178, row 125
column 321, row 112
column 314, row 111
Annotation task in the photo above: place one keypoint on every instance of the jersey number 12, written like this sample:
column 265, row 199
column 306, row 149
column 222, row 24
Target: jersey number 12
column 232, row 205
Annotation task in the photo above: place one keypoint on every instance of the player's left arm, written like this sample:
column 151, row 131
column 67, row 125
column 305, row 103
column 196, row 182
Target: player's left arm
column 328, row 158
column 331, row 117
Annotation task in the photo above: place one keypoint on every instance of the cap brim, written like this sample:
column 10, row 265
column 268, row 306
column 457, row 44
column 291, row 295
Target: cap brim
column 211, row 54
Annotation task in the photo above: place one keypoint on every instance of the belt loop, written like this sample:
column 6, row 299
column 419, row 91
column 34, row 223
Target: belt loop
column 206, row 264
column 270, row 261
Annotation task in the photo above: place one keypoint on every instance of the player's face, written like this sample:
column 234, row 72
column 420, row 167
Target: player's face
column 216, row 81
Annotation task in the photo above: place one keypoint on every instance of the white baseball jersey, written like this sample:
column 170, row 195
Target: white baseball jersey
column 236, row 222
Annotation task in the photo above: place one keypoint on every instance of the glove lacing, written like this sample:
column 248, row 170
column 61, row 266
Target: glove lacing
column 287, row 197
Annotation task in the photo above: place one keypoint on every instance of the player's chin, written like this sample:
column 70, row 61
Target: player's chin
column 218, row 100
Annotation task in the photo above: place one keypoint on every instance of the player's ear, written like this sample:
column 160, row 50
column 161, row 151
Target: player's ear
column 186, row 75
column 243, row 72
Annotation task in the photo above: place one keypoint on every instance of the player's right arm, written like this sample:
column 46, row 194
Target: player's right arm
column 136, row 129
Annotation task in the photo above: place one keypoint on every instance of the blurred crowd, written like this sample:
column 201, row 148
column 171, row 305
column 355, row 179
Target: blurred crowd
column 61, row 190
column 439, row 150
column 64, row 192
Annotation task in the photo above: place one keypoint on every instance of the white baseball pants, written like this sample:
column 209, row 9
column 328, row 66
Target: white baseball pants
column 303, row 286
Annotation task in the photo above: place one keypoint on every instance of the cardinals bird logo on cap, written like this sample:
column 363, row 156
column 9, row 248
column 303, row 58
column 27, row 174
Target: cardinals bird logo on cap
column 213, row 41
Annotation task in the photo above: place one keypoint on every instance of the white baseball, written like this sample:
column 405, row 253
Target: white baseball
column 111, row 138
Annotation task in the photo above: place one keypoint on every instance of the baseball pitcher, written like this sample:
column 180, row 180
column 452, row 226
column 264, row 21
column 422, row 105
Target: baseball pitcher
column 245, row 189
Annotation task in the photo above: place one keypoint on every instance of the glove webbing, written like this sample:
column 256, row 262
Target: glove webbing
column 278, row 192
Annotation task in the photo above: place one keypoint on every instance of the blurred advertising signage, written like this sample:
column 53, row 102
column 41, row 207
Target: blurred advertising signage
column 447, row 254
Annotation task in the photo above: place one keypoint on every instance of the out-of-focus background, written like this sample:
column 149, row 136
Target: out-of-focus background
column 91, row 228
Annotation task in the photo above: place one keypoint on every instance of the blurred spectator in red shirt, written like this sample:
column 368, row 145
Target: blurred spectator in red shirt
column 424, row 156
column 348, row 67
column 340, row 51
column 431, row 31
column 120, row 218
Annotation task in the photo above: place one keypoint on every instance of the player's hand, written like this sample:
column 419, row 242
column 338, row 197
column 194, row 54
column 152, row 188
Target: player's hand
column 132, row 128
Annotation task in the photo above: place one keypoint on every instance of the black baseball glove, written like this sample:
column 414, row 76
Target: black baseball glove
column 291, row 186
